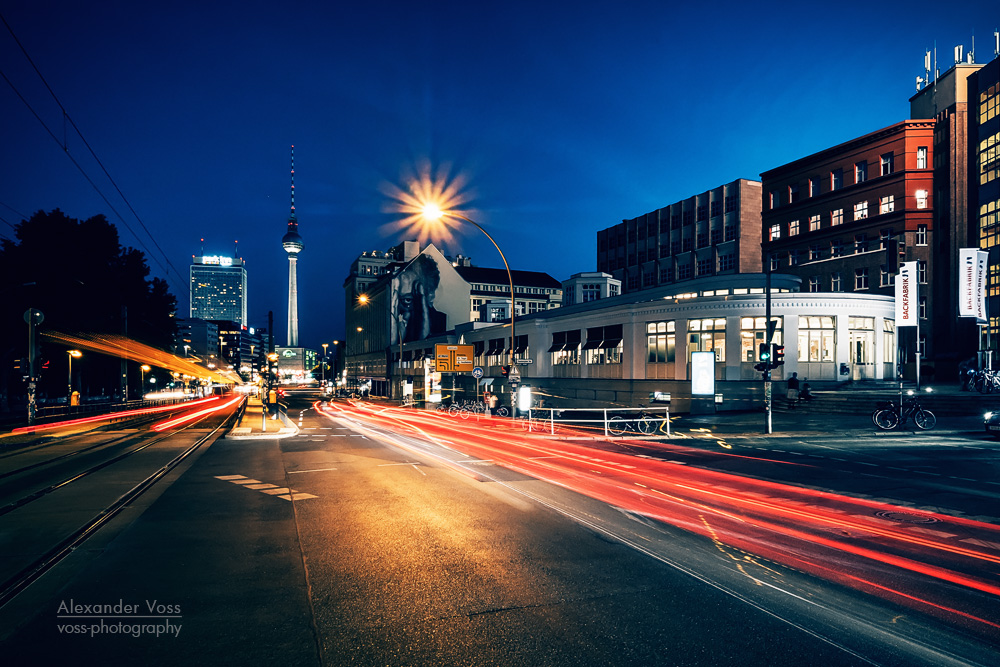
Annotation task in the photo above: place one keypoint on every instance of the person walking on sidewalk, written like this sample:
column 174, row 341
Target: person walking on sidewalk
column 793, row 390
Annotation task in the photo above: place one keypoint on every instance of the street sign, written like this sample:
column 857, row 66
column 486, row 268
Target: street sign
column 453, row 358
column 477, row 372
column 515, row 375
column 524, row 362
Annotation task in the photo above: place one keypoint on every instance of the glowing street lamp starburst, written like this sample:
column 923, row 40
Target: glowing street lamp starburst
column 429, row 200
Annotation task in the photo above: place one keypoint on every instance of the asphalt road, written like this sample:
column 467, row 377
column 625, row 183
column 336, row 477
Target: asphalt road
column 348, row 544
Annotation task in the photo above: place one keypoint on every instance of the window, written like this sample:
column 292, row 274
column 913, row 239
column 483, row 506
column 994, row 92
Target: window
column 861, row 210
column 753, row 332
column 702, row 212
column 687, row 245
column 836, row 179
column 775, row 263
column 813, row 283
column 816, row 339
column 793, row 194
column 731, row 233
column 836, row 217
column 884, row 278
column 815, row 252
column 648, row 278
column 922, row 157
column 860, row 172
column 604, row 345
column 707, row 336
column 989, row 103
column 922, row 271
column 666, row 274
column 705, row 267
column 633, row 283
column 836, row 248
column 814, row 223
column 813, row 187
column 793, row 228
column 836, row 283
column 921, row 198
column 702, row 238
column 886, row 204
column 716, row 208
column 886, row 164
column 775, row 199
column 775, row 232
column 922, row 308
column 861, row 279
column 793, row 258
column 989, row 159
column 716, row 236
column 921, row 236
column 860, row 243
column 565, row 347
column 727, row 262
column 661, row 342
column 684, row 271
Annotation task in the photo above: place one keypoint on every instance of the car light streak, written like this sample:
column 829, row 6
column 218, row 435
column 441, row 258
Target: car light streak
column 111, row 415
column 828, row 535
column 189, row 417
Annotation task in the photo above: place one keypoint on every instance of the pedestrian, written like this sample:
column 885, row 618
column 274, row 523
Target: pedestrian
column 966, row 370
column 494, row 401
column 805, row 394
column 793, row 390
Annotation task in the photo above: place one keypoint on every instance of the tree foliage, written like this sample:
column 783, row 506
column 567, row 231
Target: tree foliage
column 83, row 280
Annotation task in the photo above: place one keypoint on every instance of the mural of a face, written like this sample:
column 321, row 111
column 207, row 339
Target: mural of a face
column 417, row 286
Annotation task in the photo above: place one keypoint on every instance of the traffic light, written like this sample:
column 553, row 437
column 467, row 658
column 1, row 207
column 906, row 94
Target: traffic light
column 778, row 356
column 764, row 352
column 505, row 370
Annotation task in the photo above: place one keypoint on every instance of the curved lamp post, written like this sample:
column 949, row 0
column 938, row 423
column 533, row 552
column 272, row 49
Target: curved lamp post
column 432, row 212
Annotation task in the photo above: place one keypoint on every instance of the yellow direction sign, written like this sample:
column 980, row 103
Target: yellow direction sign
column 453, row 358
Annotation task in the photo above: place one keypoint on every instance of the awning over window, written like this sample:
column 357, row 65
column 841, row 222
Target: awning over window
column 478, row 347
column 520, row 344
column 610, row 343
column 496, row 346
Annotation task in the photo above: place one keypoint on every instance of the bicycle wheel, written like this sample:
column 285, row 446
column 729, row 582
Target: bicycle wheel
column 886, row 419
column 465, row 412
column 502, row 411
column 924, row 419
column 453, row 410
column 617, row 426
column 646, row 425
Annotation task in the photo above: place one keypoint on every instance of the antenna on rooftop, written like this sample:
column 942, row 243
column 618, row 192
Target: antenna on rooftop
column 958, row 54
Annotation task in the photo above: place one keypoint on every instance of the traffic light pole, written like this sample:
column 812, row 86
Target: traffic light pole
column 767, row 324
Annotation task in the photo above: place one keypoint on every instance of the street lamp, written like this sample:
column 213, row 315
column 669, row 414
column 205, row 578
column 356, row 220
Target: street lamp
column 69, row 394
column 432, row 212
column 323, row 367
column 142, row 379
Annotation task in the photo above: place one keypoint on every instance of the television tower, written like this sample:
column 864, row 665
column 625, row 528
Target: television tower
column 292, row 243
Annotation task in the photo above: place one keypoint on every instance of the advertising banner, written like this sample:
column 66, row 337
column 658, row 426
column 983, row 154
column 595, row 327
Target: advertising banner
column 906, row 295
column 972, row 264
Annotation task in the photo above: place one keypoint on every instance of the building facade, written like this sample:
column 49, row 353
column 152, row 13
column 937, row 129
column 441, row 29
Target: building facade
column 218, row 288
column 590, row 286
column 842, row 219
column 714, row 233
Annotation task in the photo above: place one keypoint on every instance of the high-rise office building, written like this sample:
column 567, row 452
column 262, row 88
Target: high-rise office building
column 219, row 289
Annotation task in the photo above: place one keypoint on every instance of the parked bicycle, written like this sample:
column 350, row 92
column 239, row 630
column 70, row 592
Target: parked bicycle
column 888, row 415
column 644, row 423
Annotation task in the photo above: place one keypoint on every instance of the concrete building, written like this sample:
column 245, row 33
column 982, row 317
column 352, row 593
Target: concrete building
column 218, row 288
column 841, row 219
column 714, row 233
column 590, row 286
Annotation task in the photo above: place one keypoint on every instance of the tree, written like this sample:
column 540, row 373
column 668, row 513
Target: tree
column 79, row 275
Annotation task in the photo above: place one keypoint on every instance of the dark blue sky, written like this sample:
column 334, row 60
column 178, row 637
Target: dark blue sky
column 564, row 117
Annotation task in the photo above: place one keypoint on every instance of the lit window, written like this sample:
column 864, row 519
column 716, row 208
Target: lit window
column 886, row 204
column 813, row 283
column 775, row 232
column 835, row 283
column 793, row 228
column 813, row 223
column 921, row 198
column 836, row 217
column 861, row 210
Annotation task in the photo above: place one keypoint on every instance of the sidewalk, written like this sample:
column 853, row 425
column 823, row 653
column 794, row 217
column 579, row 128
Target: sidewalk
column 255, row 424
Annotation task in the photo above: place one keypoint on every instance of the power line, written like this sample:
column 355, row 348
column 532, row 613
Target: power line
column 65, row 148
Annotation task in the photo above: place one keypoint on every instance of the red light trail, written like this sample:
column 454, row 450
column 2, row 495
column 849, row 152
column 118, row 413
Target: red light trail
column 839, row 538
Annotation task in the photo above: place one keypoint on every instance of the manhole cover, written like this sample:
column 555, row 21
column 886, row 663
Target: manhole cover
column 904, row 517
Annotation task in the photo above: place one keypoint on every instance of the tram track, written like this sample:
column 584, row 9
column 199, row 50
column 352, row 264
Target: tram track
column 17, row 583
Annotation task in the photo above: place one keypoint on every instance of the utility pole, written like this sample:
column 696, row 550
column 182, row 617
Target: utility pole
column 767, row 323
column 33, row 317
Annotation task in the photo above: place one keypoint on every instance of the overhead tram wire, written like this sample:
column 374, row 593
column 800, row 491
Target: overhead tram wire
column 64, row 145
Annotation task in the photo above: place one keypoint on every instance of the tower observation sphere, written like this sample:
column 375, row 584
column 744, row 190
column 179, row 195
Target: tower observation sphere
column 293, row 245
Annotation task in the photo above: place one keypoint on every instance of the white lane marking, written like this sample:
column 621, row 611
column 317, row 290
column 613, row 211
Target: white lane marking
column 928, row 531
column 982, row 543
column 297, row 472
column 228, row 478
column 245, row 481
column 261, row 487
column 264, row 487
column 297, row 496
column 276, row 491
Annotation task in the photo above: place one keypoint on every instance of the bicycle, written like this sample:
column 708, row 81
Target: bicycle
column 645, row 423
column 890, row 416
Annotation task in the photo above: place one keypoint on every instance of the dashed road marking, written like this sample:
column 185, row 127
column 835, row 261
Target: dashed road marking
column 297, row 472
column 270, row 489
column 981, row 543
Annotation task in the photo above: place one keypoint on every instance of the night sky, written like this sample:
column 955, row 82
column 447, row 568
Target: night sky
column 563, row 118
